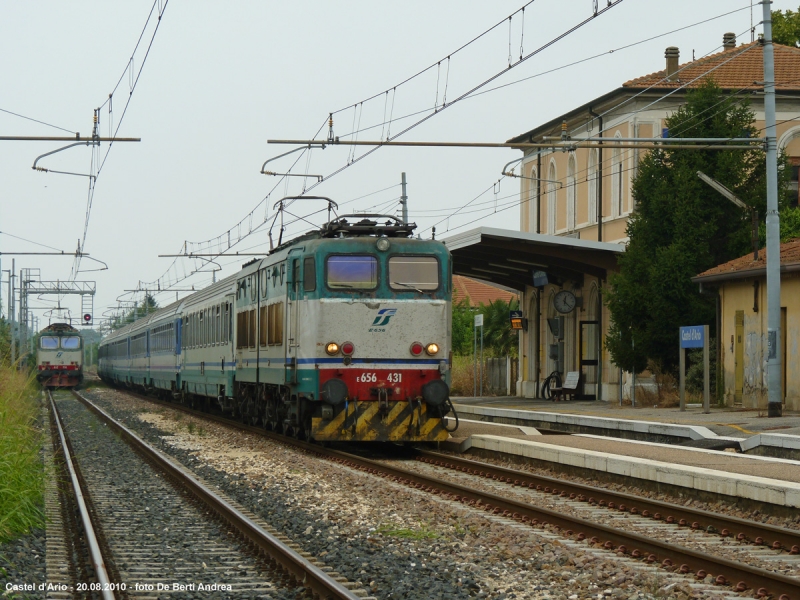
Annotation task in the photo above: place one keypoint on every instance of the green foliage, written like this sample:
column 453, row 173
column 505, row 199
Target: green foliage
column 786, row 27
column 463, row 316
column 498, row 337
column 5, row 343
column 694, row 370
column 682, row 227
column 148, row 305
column 789, row 224
column 21, row 470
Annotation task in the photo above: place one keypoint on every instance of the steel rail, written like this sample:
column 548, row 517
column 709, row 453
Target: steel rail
column 726, row 571
column 758, row 533
column 98, row 562
column 741, row 576
column 306, row 573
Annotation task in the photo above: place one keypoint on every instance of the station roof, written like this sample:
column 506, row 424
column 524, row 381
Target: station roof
column 745, row 267
column 508, row 257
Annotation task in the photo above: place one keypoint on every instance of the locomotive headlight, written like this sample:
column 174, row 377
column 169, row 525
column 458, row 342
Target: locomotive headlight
column 432, row 349
column 382, row 244
column 332, row 348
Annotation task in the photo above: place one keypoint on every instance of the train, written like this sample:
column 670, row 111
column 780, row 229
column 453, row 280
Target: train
column 59, row 357
column 341, row 334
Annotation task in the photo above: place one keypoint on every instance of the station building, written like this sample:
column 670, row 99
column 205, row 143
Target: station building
column 574, row 207
column 742, row 287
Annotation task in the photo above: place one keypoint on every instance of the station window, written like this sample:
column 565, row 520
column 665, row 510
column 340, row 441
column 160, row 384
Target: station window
column 414, row 273
column 352, row 272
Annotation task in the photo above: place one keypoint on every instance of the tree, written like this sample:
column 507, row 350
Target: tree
column 681, row 227
column 789, row 223
column 499, row 338
column 463, row 319
column 148, row 305
column 786, row 27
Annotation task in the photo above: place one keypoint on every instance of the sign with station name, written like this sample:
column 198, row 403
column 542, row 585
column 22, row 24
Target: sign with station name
column 692, row 336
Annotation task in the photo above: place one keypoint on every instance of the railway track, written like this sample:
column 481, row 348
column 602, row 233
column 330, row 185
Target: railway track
column 152, row 531
column 624, row 513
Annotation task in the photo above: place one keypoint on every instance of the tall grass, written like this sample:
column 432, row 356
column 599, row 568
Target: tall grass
column 21, row 470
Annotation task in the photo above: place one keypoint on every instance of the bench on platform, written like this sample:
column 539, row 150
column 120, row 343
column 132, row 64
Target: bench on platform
column 568, row 389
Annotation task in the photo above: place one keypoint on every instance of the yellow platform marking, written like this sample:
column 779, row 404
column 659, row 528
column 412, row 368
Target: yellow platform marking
column 742, row 429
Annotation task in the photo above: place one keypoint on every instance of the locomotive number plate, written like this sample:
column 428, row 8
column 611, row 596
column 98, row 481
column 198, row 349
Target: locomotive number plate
column 373, row 377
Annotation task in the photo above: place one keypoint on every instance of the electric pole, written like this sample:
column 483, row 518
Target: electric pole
column 774, row 359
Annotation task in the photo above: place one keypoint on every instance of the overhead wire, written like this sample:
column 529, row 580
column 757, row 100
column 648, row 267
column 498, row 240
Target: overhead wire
column 38, row 121
column 133, row 81
column 356, row 106
column 352, row 159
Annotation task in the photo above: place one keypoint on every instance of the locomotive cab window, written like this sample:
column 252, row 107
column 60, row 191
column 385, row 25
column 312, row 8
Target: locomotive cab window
column 415, row 273
column 47, row 342
column 352, row 272
column 70, row 343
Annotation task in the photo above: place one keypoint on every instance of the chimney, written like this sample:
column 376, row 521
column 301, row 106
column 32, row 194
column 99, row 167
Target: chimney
column 729, row 41
column 672, row 54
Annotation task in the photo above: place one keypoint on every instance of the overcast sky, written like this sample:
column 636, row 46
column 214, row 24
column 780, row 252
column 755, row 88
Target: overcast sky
column 221, row 78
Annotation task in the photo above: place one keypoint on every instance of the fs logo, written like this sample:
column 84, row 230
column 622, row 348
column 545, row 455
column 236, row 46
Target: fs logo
column 384, row 315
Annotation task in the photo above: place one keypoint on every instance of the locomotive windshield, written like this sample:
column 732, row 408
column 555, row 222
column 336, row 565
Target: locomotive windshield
column 352, row 271
column 71, row 343
column 47, row 342
column 418, row 273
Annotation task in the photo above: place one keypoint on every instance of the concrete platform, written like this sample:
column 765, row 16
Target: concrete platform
column 749, row 481
column 751, row 430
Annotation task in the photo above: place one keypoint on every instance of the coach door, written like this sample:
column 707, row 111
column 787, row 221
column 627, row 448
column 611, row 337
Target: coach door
column 294, row 294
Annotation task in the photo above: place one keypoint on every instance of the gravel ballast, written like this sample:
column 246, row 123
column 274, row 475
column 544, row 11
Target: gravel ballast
column 396, row 541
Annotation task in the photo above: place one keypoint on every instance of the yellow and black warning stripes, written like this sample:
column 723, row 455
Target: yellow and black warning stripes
column 365, row 422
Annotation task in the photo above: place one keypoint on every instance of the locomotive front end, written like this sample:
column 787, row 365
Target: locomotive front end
column 59, row 357
column 383, row 343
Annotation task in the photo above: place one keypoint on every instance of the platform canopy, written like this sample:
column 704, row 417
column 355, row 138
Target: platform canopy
column 509, row 258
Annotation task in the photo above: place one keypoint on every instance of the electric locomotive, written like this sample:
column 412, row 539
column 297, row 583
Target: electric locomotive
column 339, row 334
column 59, row 356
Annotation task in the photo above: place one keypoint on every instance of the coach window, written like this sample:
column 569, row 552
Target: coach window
column 217, row 327
column 309, row 275
column 414, row 273
column 48, row 342
column 70, row 343
column 264, row 282
column 352, row 272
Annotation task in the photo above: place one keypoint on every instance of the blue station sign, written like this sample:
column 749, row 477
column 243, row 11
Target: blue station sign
column 692, row 336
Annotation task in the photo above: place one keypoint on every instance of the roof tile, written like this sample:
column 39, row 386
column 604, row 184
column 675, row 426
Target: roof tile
column 790, row 254
column 477, row 292
column 735, row 68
